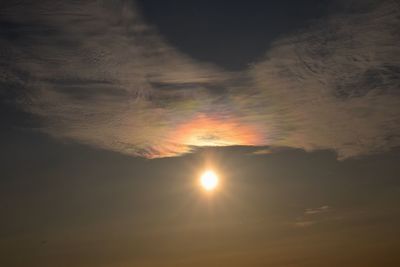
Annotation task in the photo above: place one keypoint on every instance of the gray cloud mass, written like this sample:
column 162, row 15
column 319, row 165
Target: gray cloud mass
column 98, row 74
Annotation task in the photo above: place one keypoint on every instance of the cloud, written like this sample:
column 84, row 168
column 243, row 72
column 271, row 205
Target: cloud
column 304, row 223
column 312, row 216
column 264, row 151
column 322, row 209
column 333, row 86
column 96, row 73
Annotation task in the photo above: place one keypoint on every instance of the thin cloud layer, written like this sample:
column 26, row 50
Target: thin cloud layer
column 312, row 216
column 96, row 73
column 336, row 85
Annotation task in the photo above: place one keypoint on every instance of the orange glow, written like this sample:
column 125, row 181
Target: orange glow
column 207, row 131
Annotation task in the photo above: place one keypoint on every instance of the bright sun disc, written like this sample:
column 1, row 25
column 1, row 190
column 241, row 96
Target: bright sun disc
column 209, row 180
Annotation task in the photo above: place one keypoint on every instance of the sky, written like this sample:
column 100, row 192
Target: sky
column 110, row 111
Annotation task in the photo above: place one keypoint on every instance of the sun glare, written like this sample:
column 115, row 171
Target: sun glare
column 209, row 180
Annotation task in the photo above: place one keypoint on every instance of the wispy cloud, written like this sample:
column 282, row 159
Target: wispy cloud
column 333, row 86
column 321, row 209
column 302, row 223
column 264, row 151
column 312, row 216
column 98, row 74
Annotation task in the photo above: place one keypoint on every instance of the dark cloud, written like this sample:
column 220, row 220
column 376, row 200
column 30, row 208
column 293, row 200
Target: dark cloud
column 96, row 73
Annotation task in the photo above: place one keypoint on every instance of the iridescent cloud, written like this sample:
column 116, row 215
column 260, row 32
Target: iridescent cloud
column 96, row 73
column 203, row 130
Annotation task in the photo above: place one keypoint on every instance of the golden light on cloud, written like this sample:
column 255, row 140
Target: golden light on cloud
column 209, row 180
column 208, row 131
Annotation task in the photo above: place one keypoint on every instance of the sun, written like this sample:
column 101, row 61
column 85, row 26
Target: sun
column 209, row 180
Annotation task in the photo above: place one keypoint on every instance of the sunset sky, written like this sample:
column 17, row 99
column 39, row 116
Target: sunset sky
column 111, row 112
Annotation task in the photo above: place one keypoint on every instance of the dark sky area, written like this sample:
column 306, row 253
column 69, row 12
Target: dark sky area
column 111, row 110
column 210, row 30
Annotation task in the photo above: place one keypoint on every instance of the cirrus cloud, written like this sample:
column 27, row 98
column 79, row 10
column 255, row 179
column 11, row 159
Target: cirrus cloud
column 97, row 73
